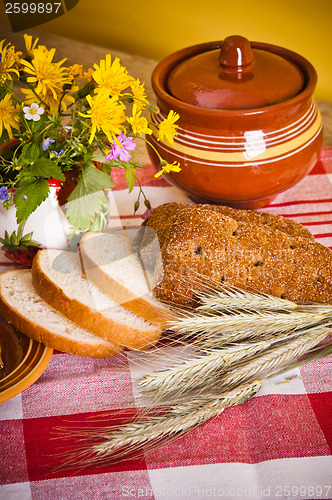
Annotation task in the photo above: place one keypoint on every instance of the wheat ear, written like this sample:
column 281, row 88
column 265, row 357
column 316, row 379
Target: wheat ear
column 260, row 366
column 205, row 371
column 177, row 421
column 232, row 298
column 206, row 344
column 241, row 325
column 194, row 372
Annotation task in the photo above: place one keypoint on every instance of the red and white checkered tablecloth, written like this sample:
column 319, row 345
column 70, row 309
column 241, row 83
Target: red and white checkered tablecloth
column 276, row 445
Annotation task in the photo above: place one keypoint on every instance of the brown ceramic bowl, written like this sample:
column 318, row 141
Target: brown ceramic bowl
column 249, row 127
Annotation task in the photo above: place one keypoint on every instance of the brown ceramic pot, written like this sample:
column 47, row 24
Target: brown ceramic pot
column 249, row 127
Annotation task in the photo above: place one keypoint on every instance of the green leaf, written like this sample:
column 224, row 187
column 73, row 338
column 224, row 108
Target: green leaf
column 28, row 198
column 26, row 238
column 105, row 167
column 26, row 180
column 44, row 167
column 98, row 155
column 30, row 152
column 87, row 199
column 95, row 180
column 130, row 177
column 13, row 238
column 20, row 231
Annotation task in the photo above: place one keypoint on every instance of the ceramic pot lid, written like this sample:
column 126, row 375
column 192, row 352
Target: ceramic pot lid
column 236, row 76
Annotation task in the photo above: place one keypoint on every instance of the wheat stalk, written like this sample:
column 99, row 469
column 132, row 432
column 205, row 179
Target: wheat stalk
column 223, row 375
column 314, row 353
column 241, row 325
column 194, row 372
column 325, row 309
column 206, row 343
column 260, row 366
column 205, row 371
column 232, row 298
column 177, row 421
column 151, row 432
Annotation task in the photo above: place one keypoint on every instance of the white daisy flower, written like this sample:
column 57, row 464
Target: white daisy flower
column 33, row 112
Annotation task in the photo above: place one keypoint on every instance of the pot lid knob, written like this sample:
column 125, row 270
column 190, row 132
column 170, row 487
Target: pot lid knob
column 235, row 53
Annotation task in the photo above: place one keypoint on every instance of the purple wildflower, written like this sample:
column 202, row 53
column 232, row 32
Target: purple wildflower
column 121, row 153
column 47, row 142
column 4, row 195
column 60, row 153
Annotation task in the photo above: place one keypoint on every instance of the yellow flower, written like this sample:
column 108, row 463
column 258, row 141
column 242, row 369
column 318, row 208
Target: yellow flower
column 87, row 75
column 138, row 123
column 106, row 114
column 138, row 94
column 168, row 167
column 47, row 77
column 9, row 61
column 30, row 47
column 167, row 128
column 75, row 72
column 8, row 116
column 111, row 77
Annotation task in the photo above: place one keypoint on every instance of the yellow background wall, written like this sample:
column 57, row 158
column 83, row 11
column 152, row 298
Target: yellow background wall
column 154, row 28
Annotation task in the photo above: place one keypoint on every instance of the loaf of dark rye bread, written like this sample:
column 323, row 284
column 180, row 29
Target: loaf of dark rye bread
column 248, row 249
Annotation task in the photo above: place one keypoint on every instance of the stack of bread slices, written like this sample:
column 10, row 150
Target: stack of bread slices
column 94, row 302
column 103, row 298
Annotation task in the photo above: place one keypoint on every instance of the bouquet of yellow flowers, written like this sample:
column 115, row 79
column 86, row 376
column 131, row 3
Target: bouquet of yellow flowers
column 59, row 123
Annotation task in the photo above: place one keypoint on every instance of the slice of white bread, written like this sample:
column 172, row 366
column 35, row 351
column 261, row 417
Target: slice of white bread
column 21, row 306
column 111, row 263
column 57, row 277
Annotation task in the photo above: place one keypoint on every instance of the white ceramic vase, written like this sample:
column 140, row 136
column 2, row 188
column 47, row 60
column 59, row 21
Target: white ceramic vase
column 47, row 223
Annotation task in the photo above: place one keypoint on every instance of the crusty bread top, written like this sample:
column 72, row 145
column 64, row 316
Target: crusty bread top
column 21, row 306
column 58, row 278
column 247, row 249
column 164, row 216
